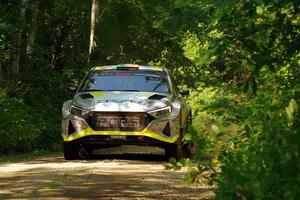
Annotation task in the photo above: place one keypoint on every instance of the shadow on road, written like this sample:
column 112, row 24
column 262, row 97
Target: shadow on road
column 120, row 173
column 130, row 156
column 128, row 152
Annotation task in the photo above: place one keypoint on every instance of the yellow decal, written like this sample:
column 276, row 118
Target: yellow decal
column 99, row 68
column 157, row 68
column 97, row 94
column 146, row 132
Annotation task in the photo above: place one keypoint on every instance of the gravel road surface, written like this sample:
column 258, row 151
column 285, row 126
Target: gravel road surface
column 114, row 173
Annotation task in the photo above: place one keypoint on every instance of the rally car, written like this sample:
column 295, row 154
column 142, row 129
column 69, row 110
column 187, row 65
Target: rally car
column 126, row 105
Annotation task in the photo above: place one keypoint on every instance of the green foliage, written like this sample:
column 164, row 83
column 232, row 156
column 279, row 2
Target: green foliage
column 246, row 111
column 28, row 120
column 32, row 107
column 17, row 132
column 240, row 59
column 265, row 165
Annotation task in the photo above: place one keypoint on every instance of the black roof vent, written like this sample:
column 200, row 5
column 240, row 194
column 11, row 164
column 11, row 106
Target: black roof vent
column 157, row 97
column 86, row 96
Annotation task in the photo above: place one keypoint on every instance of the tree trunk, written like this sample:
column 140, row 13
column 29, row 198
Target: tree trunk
column 16, row 45
column 94, row 12
column 1, row 72
column 33, row 27
column 56, row 60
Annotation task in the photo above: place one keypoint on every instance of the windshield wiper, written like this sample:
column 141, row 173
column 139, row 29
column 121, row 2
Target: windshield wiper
column 157, row 86
column 131, row 90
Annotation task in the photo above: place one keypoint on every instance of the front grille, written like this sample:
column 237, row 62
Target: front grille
column 119, row 121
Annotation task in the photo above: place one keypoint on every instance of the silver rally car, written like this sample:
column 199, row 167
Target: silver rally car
column 125, row 105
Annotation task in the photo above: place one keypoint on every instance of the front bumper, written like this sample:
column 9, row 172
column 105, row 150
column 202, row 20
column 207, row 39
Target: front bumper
column 153, row 133
column 145, row 132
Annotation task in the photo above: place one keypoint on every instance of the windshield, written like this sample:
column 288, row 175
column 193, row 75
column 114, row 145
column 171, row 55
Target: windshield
column 115, row 80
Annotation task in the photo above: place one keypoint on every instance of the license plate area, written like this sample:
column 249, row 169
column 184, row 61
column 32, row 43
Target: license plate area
column 118, row 137
column 118, row 121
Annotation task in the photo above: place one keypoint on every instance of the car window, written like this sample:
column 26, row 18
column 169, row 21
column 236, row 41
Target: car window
column 126, row 81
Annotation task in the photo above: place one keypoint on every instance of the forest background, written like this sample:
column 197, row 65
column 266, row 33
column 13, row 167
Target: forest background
column 239, row 58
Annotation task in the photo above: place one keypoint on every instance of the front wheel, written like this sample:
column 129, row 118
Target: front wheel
column 187, row 149
column 187, row 146
column 71, row 150
column 173, row 150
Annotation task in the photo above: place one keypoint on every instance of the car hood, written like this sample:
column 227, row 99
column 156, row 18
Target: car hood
column 115, row 101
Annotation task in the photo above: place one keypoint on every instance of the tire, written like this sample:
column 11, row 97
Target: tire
column 173, row 151
column 186, row 148
column 85, row 152
column 90, row 150
column 71, row 150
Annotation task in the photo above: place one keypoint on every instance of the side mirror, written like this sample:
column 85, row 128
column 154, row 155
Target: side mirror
column 184, row 92
column 72, row 89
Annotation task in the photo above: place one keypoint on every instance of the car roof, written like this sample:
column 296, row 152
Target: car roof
column 128, row 67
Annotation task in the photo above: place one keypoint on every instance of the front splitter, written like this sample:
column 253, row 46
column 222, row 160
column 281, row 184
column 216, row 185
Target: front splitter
column 145, row 132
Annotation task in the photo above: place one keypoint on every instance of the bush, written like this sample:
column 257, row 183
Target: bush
column 29, row 120
column 267, row 165
column 249, row 143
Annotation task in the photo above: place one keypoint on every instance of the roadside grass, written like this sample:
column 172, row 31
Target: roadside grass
column 6, row 159
column 50, row 185
column 57, row 181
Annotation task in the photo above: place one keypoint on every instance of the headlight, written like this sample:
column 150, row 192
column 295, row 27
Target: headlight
column 79, row 112
column 161, row 112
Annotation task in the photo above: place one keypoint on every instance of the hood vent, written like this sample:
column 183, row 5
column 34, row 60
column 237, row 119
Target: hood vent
column 86, row 96
column 157, row 97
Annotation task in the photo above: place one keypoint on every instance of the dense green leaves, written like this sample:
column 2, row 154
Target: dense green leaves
column 125, row 33
column 248, row 52
column 240, row 58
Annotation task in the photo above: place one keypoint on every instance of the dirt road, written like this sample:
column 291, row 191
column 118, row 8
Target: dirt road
column 119, row 173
